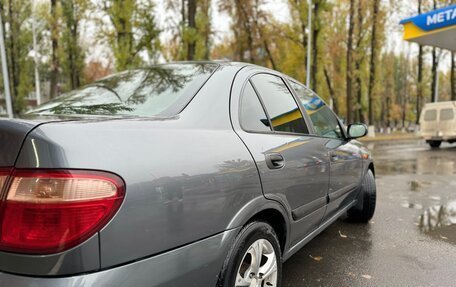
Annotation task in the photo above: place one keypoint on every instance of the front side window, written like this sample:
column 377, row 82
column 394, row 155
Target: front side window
column 158, row 90
column 282, row 109
column 253, row 117
column 446, row 114
column 323, row 119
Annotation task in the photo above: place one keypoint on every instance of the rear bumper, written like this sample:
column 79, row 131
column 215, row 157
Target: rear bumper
column 196, row 264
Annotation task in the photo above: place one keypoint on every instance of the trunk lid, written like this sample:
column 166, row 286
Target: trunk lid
column 14, row 131
column 12, row 135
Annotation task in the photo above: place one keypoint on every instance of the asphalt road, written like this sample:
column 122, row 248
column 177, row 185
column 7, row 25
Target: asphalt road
column 411, row 241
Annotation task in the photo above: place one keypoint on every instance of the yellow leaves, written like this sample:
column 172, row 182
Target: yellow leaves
column 316, row 258
column 342, row 235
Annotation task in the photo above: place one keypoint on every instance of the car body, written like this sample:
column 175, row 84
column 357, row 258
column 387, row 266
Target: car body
column 194, row 174
column 438, row 123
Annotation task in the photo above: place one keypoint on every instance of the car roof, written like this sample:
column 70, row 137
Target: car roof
column 221, row 62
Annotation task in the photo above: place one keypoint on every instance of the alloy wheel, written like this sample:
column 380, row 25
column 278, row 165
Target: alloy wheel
column 258, row 267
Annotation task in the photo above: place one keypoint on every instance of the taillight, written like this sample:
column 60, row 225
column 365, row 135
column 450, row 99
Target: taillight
column 49, row 211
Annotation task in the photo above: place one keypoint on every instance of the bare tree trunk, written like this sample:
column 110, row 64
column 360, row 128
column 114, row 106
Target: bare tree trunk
column 434, row 68
column 72, row 23
column 331, row 91
column 373, row 61
column 315, row 36
column 453, row 76
column 263, row 37
column 349, row 62
column 55, row 44
column 405, row 98
column 358, row 60
column 419, row 93
column 268, row 52
column 191, row 16
column 434, row 75
column 245, row 19
column 206, row 8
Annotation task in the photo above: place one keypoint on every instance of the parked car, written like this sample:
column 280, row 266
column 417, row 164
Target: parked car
column 438, row 123
column 184, row 174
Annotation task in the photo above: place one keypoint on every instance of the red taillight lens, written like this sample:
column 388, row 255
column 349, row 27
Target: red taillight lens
column 51, row 211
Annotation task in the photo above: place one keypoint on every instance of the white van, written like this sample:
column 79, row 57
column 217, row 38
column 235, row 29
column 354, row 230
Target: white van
column 438, row 123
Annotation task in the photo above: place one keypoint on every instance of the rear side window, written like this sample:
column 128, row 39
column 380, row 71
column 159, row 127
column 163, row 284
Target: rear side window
column 323, row 119
column 253, row 117
column 430, row 115
column 446, row 114
column 282, row 109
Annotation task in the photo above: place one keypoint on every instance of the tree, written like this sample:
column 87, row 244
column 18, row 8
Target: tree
column 55, row 63
column 359, row 56
column 243, row 28
column 435, row 63
column 315, row 40
column 18, row 40
column 73, row 12
column 373, row 59
column 193, row 32
column 453, row 76
column 133, row 30
column 349, row 76
column 419, row 95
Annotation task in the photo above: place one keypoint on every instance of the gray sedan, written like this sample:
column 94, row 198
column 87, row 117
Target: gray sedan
column 184, row 174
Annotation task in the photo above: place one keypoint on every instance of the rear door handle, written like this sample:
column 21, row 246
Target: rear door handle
column 274, row 160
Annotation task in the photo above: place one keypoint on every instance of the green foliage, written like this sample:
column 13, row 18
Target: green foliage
column 18, row 39
column 133, row 30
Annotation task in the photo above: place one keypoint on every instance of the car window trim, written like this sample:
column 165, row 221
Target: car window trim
column 310, row 126
column 262, row 106
column 341, row 127
column 273, row 131
column 178, row 107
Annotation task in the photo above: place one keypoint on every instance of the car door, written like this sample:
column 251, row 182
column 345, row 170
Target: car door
column 293, row 167
column 345, row 155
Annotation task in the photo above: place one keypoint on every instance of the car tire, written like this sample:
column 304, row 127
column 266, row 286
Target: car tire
column 364, row 210
column 239, row 266
column 435, row 144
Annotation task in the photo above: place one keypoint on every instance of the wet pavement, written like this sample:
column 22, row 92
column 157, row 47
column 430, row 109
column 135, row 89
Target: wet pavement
column 411, row 241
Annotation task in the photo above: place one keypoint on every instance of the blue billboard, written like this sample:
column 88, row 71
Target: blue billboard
column 436, row 19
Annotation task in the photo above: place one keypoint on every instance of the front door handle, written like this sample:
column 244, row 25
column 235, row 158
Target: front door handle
column 274, row 160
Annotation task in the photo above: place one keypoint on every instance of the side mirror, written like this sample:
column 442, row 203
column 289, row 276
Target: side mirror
column 355, row 131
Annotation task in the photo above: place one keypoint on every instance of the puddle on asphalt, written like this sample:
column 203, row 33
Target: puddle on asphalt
column 439, row 222
column 414, row 159
column 418, row 165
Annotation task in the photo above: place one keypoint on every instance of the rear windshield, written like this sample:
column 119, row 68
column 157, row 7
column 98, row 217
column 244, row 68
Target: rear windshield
column 158, row 90
column 446, row 114
column 430, row 115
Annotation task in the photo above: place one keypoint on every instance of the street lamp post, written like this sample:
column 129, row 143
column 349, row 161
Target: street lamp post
column 9, row 104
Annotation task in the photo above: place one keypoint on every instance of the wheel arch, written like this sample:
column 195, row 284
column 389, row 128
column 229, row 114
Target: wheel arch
column 277, row 222
column 371, row 167
column 265, row 210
